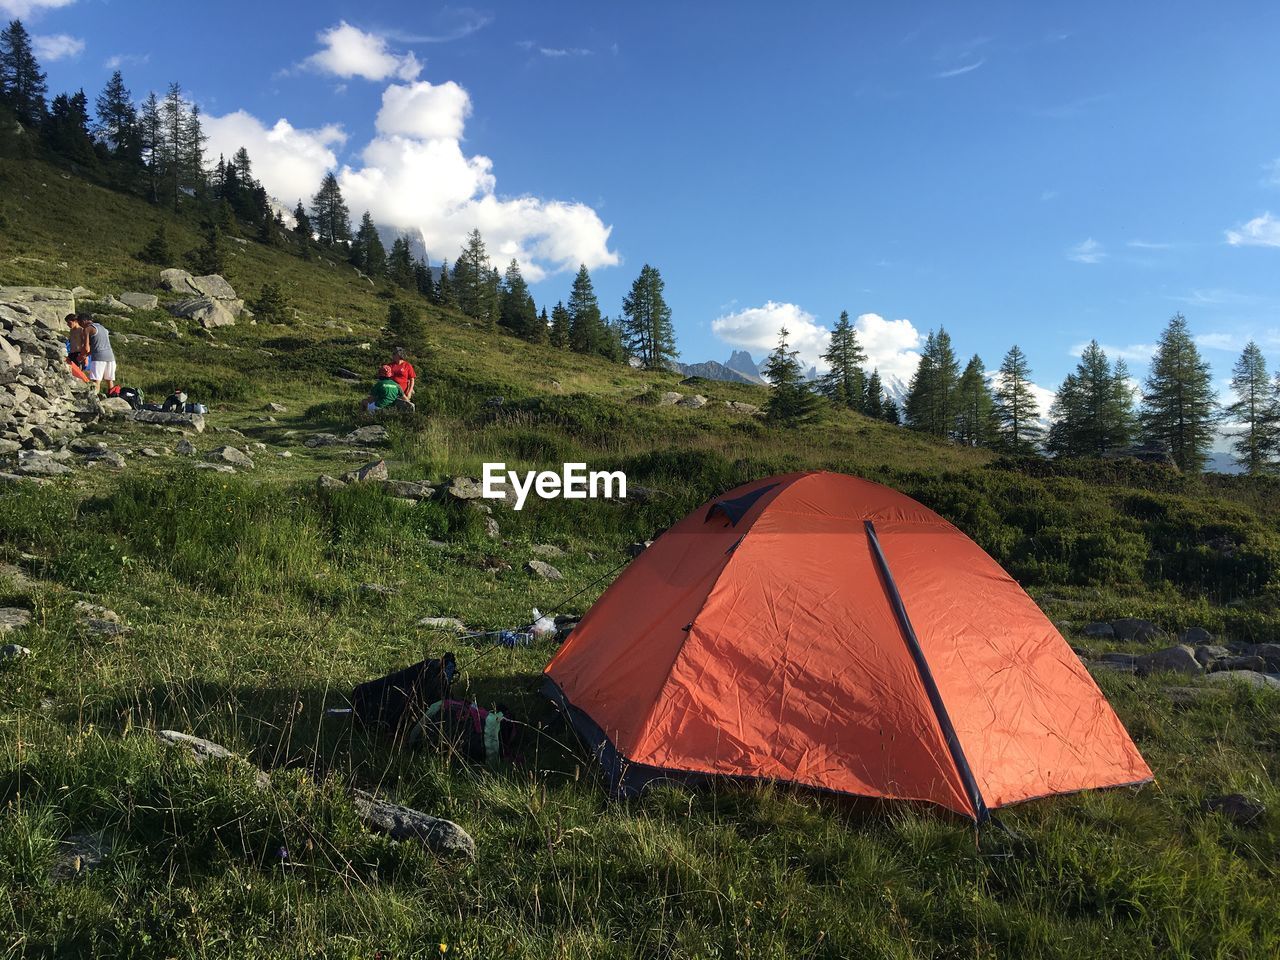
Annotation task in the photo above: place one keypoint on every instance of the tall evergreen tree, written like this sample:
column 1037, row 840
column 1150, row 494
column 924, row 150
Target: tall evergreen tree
column 117, row 126
column 844, row 384
column 791, row 401
column 873, row 400
column 544, row 327
column 474, row 284
column 174, row 130
column 891, row 412
column 587, row 333
column 192, row 160
column 1179, row 408
column 517, row 311
column 444, row 287
column 22, row 82
column 400, row 264
column 367, row 252
column 1255, row 410
column 647, row 331
column 1016, row 410
column 67, row 129
column 329, row 214
column 975, row 421
column 931, row 401
column 1093, row 410
column 558, row 332
column 151, row 141
column 207, row 258
column 422, row 275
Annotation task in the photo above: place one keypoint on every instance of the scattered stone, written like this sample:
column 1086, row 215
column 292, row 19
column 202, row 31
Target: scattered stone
column 230, row 455
column 378, row 589
column 284, row 454
column 402, row 823
column 185, row 448
column 495, row 401
column 206, row 311
column 42, row 467
column 1261, row 681
column 374, row 433
column 1177, row 659
column 407, row 489
column 669, row 399
column 109, row 457
column 217, row 467
column 465, row 488
column 696, row 402
column 186, row 421
column 1110, row 666
column 377, row 470
column 447, row 624
column 16, row 576
column 491, row 529
column 1270, row 652
column 546, row 550
column 326, row 482
column 175, row 280
column 150, row 452
column 346, row 374
column 203, row 751
column 737, row 406
column 544, row 570
column 1101, row 631
column 1236, row 807
column 1196, row 636
column 1128, row 659
column 322, row 440
column 1208, row 653
column 140, row 301
column 116, row 408
column 274, row 407
column 1133, row 629
column 1253, row 663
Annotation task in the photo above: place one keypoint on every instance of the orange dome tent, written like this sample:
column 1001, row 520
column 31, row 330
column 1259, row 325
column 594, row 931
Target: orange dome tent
column 824, row 630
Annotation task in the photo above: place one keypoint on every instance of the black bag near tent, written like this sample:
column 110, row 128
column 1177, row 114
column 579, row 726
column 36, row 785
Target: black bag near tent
column 396, row 702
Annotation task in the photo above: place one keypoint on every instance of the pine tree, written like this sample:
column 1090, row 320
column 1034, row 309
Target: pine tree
column 329, row 214
column 423, row 280
column 1093, row 410
column 1254, row 409
column 473, row 282
column 543, row 330
column 587, row 332
column 117, row 126
column 173, row 116
column 271, row 305
column 1016, row 411
column 517, row 312
column 1178, row 404
column 193, row 143
column 67, row 129
column 790, row 399
column 975, row 421
column 207, row 258
column 22, row 82
column 647, row 329
column 405, row 327
column 151, row 142
column 400, row 265
column 157, row 249
column 367, row 253
column 873, row 399
column 444, row 287
column 558, row 332
column 931, row 401
column 844, row 383
column 891, row 412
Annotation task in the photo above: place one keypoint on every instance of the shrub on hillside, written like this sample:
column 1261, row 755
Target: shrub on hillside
column 271, row 306
column 157, row 249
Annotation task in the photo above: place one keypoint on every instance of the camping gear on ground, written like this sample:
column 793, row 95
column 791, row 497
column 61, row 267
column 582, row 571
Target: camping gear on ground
column 396, row 702
column 174, row 402
column 131, row 395
column 482, row 736
column 823, row 630
column 542, row 625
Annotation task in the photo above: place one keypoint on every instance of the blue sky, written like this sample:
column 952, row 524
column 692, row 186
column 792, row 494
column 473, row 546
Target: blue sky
column 1010, row 171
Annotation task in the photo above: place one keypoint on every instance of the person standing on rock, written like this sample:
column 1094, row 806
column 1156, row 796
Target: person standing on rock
column 103, row 365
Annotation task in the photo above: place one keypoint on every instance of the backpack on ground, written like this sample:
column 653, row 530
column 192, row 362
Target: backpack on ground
column 131, row 395
column 395, row 703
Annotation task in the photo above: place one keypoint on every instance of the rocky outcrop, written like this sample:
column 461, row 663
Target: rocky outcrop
column 40, row 402
column 211, row 301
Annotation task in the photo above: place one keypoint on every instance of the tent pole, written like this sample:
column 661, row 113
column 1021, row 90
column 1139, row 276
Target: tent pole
column 981, row 813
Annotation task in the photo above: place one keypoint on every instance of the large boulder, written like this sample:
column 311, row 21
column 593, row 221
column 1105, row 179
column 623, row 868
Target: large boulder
column 1176, row 659
column 377, row 470
column 230, row 455
column 212, row 286
column 185, row 421
column 140, row 301
column 175, row 280
column 10, row 362
column 1262, row 681
column 206, row 311
column 46, row 305
column 1132, row 628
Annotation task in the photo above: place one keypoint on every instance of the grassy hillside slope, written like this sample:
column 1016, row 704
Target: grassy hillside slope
column 246, row 618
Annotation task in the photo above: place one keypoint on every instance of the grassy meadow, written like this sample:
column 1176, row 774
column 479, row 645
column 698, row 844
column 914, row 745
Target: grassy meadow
column 246, row 618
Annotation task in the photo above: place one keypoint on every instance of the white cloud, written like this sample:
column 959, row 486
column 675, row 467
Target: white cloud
column 890, row 345
column 1272, row 177
column 350, row 52
column 1263, row 231
column 1219, row 341
column 756, row 329
column 290, row 162
column 25, row 8
column 1148, row 245
column 425, row 111
column 56, row 46
column 1087, row 251
column 565, row 51
column 414, row 176
column 1137, row 352
column 126, row 59
column 959, row 71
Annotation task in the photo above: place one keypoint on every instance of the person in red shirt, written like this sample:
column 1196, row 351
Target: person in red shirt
column 402, row 373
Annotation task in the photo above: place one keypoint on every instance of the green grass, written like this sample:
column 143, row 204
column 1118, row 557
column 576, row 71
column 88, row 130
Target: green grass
column 246, row 620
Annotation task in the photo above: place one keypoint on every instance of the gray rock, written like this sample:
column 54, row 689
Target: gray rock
column 546, row 550
column 377, row 470
column 176, row 281
column 150, row 453
column 274, row 407
column 185, row 448
column 140, row 301
column 230, row 455
column 212, row 286
column 696, row 402
column 322, row 440
column 206, row 311
column 1236, row 807
column 1254, row 663
column 185, row 421
column 443, row 837
column 1196, row 636
column 465, row 488
column 326, row 482
column 491, row 529
column 1208, row 653
column 1270, row 652
column 544, row 570
column 378, row 589
column 1128, row 659
column 43, row 467
column 407, row 489
column 1100, row 630
column 107, row 458
column 284, row 454
column 10, row 362
column 374, row 433
column 215, row 467
column 737, row 406
column 446, row 624
column 1110, row 666
column 669, row 399
column 1177, row 659
column 116, row 408
column 1134, row 629
column 202, row 751
column 1262, row 681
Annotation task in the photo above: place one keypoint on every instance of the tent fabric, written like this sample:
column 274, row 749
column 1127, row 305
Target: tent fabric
column 763, row 642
